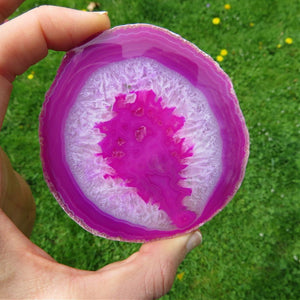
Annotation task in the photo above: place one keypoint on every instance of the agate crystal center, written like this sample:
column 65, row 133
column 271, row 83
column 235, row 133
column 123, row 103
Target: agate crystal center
column 141, row 148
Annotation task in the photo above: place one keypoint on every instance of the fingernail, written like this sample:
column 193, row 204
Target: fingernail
column 101, row 12
column 194, row 241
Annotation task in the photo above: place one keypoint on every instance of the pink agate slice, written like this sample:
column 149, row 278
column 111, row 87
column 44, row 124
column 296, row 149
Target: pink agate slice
column 141, row 135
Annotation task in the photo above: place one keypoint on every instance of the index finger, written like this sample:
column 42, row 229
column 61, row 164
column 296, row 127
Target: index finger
column 26, row 39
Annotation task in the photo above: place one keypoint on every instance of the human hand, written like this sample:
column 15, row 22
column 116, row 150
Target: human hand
column 26, row 270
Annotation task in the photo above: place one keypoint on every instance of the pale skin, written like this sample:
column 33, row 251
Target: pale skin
column 26, row 270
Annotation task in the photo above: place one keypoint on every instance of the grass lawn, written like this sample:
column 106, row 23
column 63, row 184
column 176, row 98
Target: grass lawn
column 251, row 250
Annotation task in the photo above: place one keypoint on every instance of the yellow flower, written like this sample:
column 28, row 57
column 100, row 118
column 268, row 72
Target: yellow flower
column 279, row 46
column 216, row 21
column 31, row 75
column 220, row 58
column 251, row 24
column 289, row 40
column 180, row 276
column 223, row 52
column 227, row 6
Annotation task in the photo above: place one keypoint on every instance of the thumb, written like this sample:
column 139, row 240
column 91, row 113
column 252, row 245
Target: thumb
column 161, row 259
column 148, row 273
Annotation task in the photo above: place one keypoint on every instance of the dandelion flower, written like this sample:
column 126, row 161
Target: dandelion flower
column 223, row 52
column 289, row 41
column 251, row 24
column 279, row 46
column 216, row 21
column 31, row 75
column 227, row 6
column 180, row 276
column 220, row 58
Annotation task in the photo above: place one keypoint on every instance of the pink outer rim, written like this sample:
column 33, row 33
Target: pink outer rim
column 211, row 211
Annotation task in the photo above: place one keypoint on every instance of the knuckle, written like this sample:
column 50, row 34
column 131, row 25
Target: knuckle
column 41, row 11
column 44, row 11
column 42, row 8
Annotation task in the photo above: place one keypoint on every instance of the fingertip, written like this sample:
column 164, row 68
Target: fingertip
column 195, row 239
column 65, row 28
column 178, row 246
column 99, row 19
column 103, row 19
